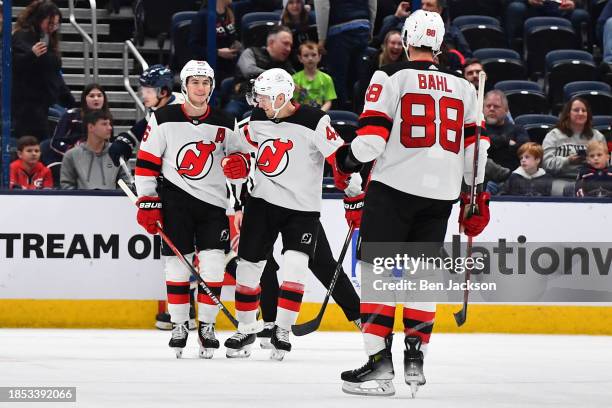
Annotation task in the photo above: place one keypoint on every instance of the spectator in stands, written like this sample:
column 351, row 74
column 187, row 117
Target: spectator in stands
column 345, row 28
column 88, row 166
column 313, row 87
column 297, row 18
column 228, row 46
column 595, row 177
column 506, row 137
column 471, row 70
column 454, row 41
column 391, row 51
column 37, row 82
column 529, row 179
column 519, row 10
column 255, row 60
column 27, row 172
column 565, row 145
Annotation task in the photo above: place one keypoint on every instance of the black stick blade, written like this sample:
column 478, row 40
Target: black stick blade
column 461, row 316
column 306, row 328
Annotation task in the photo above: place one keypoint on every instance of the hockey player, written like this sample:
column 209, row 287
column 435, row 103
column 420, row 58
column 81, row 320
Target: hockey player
column 419, row 124
column 291, row 142
column 186, row 143
column 156, row 84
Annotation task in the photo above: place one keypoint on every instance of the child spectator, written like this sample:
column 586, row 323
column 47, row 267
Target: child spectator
column 313, row 87
column 27, row 172
column 88, row 165
column 529, row 179
column 595, row 177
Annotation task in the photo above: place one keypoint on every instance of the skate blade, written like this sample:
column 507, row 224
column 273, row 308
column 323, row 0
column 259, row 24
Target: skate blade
column 238, row 353
column 381, row 388
column 277, row 355
column 265, row 344
column 207, row 353
column 178, row 351
column 414, row 387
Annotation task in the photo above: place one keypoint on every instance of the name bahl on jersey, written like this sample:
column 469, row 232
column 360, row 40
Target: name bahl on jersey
column 187, row 151
column 290, row 154
column 417, row 116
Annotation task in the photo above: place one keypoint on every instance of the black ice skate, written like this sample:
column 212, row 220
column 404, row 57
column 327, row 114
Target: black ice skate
column 265, row 335
column 375, row 377
column 239, row 345
column 179, row 338
column 162, row 321
column 206, row 338
column 280, row 343
column 413, row 364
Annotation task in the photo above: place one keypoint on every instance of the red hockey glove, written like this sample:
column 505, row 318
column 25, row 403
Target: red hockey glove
column 149, row 213
column 353, row 208
column 474, row 224
column 236, row 166
column 341, row 180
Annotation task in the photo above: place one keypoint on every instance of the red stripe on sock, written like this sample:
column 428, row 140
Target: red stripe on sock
column 377, row 308
column 376, row 329
column 289, row 305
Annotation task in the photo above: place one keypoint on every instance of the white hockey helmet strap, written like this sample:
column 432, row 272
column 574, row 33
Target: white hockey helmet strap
column 423, row 29
column 198, row 69
column 272, row 83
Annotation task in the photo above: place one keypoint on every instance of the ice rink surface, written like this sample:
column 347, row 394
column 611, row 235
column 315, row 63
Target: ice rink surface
column 135, row 368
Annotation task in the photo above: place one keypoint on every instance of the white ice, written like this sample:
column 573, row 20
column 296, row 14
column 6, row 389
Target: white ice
column 135, row 368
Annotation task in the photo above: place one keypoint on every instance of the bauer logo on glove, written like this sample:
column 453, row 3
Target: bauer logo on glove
column 150, row 205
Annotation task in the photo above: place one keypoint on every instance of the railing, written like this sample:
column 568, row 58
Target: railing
column 128, row 47
column 88, row 41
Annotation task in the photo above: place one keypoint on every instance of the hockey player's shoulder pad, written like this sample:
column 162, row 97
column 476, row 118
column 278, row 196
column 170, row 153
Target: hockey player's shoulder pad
column 306, row 116
column 393, row 68
column 219, row 118
column 258, row 114
column 169, row 113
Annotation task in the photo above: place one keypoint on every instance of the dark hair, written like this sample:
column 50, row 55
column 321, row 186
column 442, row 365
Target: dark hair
column 88, row 88
column 381, row 58
column 468, row 62
column 278, row 29
column 34, row 14
column 25, row 141
column 92, row 117
column 286, row 18
column 564, row 124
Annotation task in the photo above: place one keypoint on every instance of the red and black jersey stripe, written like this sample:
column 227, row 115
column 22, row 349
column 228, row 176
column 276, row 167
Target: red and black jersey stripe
column 290, row 296
column 469, row 134
column 375, row 123
column 147, row 164
column 419, row 323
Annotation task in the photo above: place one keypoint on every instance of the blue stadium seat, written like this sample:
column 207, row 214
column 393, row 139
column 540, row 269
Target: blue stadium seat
column 536, row 126
column 226, row 88
column 481, row 31
column 597, row 94
column 563, row 67
column 255, row 27
column 501, row 64
column 524, row 97
column 544, row 34
column 180, row 27
column 603, row 123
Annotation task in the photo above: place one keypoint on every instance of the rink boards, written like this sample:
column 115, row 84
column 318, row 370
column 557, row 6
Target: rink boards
column 82, row 261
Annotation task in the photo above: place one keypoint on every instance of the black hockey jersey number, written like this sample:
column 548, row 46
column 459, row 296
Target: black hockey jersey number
column 273, row 156
column 427, row 121
column 194, row 160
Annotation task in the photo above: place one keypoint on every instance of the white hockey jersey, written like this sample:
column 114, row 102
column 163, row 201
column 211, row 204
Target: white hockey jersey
column 290, row 154
column 187, row 151
column 419, row 124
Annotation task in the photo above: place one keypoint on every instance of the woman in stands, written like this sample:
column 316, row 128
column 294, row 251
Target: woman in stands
column 37, row 82
column 390, row 51
column 69, row 130
column 295, row 15
column 565, row 145
column 228, row 46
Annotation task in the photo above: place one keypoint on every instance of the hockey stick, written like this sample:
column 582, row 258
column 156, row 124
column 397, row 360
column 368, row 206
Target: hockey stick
column 312, row 325
column 126, row 170
column 182, row 259
column 461, row 315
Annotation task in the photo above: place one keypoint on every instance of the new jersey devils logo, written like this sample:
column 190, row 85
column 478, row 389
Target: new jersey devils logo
column 194, row 160
column 273, row 156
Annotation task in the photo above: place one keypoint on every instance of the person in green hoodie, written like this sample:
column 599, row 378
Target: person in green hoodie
column 88, row 166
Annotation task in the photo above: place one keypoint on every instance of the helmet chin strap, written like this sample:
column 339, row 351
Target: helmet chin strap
column 202, row 107
column 277, row 110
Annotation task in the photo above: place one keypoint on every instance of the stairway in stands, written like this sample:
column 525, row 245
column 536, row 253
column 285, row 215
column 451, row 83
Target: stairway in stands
column 113, row 30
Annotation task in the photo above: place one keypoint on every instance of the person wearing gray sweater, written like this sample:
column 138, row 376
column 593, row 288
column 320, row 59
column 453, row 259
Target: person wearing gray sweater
column 565, row 145
column 88, row 166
